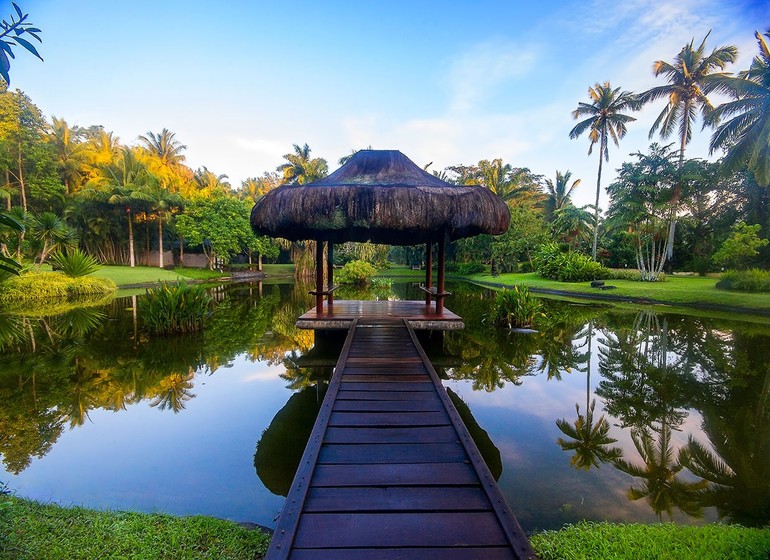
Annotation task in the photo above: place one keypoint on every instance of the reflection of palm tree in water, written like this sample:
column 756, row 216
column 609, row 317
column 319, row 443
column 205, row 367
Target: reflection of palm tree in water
column 590, row 440
column 173, row 391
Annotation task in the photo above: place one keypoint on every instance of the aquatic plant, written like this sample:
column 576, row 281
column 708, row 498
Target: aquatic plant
column 515, row 308
column 174, row 308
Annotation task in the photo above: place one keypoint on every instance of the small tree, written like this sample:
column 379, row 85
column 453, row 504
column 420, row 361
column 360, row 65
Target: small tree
column 740, row 248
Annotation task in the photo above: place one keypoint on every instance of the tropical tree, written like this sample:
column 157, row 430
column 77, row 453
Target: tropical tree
column 588, row 439
column 120, row 184
column 53, row 232
column 70, row 153
column 210, row 184
column 16, row 32
column 162, row 203
column 573, row 225
column 166, row 155
column 300, row 168
column 558, row 193
column 604, row 120
column 745, row 136
column 691, row 77
column 256, row 187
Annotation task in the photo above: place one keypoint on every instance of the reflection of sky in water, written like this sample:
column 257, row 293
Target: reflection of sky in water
column 199, row 461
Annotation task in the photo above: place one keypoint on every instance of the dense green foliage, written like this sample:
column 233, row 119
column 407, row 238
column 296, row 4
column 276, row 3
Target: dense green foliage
column 32, row 530
column 753, row 280
column 552, row 263
column 175, row 308
column 741, row 247
column 604, row 541
column 356, row 272
column 41, row 285
column 515, row 308
column 74, row 262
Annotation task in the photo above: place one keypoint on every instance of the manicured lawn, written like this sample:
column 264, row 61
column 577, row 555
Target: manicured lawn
column 403, row 271
column 278, row 270
column 32, row 530
column 605, row 541
column 124, row 275
column 675, row 290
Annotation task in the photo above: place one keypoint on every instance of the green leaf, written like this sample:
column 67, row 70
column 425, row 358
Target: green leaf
column 27, row 45
column 5, row 65
column 18, row 10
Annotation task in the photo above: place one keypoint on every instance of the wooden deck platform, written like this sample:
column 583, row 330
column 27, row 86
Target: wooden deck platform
column 340, row 315
column 390, row 472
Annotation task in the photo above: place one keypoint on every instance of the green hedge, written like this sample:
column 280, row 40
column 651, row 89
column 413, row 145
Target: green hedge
column 551, row 263
column 43, row 285
column 753, row 280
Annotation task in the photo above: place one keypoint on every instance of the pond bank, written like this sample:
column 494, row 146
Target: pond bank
column 32, row 530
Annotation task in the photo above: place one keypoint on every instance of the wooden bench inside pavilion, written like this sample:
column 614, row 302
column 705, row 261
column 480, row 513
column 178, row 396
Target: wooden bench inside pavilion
column 390, row 470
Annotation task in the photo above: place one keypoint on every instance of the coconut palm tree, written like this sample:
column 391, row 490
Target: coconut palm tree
column 162, row 203
column 52, row 232
column 558, row 193
column 744, row 136
column 70, row 153
column 604, row 120
column 589, row 440
column 166, row 155
column 300, row 169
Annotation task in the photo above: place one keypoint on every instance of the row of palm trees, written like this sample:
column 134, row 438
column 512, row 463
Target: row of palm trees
column 740, row 126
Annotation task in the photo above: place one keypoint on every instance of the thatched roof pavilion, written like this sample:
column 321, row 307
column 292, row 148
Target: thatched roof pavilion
column 383, row 197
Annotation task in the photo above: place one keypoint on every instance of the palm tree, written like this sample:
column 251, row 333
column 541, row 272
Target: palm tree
column 572, row 225
column 745, row 135
column 558, row 193
column 162, row 202
column 120, row 184
column 590, row 440
column 300, row 169
column 52, row 232
column 166, row 151
column 70, row 155
column 604, row 120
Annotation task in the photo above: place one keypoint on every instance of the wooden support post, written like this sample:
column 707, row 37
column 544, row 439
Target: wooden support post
column 428, row 270
column 440, row 280
column 319, row 276
column 330, row 273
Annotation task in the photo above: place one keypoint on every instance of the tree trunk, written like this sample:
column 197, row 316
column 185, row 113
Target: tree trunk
column 131, row 260
column 259, row 262
column 22, row 190
column 160, row 241
column 596, row 207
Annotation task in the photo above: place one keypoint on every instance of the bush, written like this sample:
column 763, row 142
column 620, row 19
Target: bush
column 174, row 308
column 753, row 280
column 552, row 264
column 466, row 269
column 74, row 263
column 356, row 272
column 515, row 308
column 33, row 286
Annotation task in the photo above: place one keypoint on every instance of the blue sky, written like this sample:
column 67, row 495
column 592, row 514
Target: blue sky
column 445, row 82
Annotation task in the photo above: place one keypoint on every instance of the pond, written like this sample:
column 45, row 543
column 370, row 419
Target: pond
column 95, row 412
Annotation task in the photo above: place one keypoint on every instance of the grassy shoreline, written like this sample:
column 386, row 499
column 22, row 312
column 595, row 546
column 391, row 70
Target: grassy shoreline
column 32, row 530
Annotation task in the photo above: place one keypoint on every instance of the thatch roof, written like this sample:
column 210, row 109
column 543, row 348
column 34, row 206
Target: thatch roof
column 383, row 197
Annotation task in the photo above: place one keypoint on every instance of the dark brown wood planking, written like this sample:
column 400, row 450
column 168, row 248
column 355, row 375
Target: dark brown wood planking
column 390, row 472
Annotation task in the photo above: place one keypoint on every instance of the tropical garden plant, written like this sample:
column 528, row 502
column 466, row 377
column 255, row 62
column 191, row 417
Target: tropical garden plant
column 175, row 308
column 515, row 308
column 550, row 262
column 74, row 262
column 356, row 272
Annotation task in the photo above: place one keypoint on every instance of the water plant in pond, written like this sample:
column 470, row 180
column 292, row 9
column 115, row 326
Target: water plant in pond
column 74, row 262
column 515, row 308
column 175, row 308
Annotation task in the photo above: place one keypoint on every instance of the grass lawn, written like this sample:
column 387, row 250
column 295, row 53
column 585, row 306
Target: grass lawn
column 125, row 275
column 403, row 271
column 32, row 530
column 676, row 290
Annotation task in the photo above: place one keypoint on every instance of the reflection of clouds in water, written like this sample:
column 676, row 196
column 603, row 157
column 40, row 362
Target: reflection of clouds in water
column 264, row 372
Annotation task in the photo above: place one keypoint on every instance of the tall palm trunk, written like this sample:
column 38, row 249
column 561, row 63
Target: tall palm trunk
column 131, row 260
column 22, row 190
column 160, row 240
column 596, row 204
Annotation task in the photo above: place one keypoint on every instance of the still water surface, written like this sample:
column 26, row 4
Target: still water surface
column 95, row 412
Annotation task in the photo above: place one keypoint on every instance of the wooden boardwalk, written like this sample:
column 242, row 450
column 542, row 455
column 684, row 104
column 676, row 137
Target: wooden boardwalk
column 390, row 472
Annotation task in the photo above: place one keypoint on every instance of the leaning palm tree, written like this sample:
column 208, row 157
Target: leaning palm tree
column 604, row 120
column 558, row 193
column 745, row 135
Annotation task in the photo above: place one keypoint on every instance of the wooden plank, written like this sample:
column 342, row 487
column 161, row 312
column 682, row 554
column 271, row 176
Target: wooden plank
column 398, row 498
column 424, row 405
column 465, row 553
column 383, row 378
column 389, row 419
column 424, row 474
column 318, row 530
column 387, row 386
column 387, row 395
column 391, row 453
column 404, row 434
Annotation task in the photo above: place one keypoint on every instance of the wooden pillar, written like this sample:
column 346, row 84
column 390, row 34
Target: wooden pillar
column 319, row 276
column 440, row 279
column 330, row 273
column 428, row 270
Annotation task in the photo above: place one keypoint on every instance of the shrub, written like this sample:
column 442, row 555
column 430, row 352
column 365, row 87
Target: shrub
column 550, row 262
column 467, row 269
column 74, row 263
column 174, row 308
column 33, row 286
column 753, row 280
column 356, row 272
column 515, row 308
